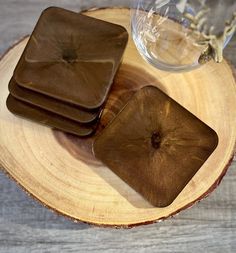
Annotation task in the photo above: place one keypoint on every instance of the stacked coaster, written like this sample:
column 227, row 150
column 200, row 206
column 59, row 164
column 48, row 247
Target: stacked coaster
column 66, row 71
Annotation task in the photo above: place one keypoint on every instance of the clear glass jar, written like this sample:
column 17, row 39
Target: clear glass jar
column 168, row 33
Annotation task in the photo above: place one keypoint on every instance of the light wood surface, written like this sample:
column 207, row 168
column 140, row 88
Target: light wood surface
column 82, row 190
column 27, row 226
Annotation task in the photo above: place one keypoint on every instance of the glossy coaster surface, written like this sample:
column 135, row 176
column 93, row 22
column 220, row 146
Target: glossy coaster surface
column 50, row 119
column 155, row 145
column 53, row 105
column 77, row 57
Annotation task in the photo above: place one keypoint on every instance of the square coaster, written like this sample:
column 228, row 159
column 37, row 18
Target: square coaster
column 53, row 105
column 155, row 145
column 72, row 57
column 50, row 119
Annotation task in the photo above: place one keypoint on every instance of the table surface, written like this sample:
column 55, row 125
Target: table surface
column 26, row 226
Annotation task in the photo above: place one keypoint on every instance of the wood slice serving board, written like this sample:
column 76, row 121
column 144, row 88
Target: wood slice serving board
column 60, row 170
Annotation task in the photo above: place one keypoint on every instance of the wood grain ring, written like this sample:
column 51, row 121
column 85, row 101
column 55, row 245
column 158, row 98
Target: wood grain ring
column 60, row 179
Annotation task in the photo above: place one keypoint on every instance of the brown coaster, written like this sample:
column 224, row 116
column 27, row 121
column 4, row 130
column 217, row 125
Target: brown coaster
column 72, row 57
column 155, row 145
column 53, row 105
column 50, row 119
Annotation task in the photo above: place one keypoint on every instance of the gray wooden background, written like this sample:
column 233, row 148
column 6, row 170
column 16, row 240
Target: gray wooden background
column 26, row 226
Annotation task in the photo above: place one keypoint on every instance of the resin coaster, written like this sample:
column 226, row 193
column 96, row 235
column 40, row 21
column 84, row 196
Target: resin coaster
column 48, row 118
column 155, row 145
column 72, row 57
column 53, row 105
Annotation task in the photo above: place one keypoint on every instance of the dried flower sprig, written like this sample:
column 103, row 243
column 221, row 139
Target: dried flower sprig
column 214, row 43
